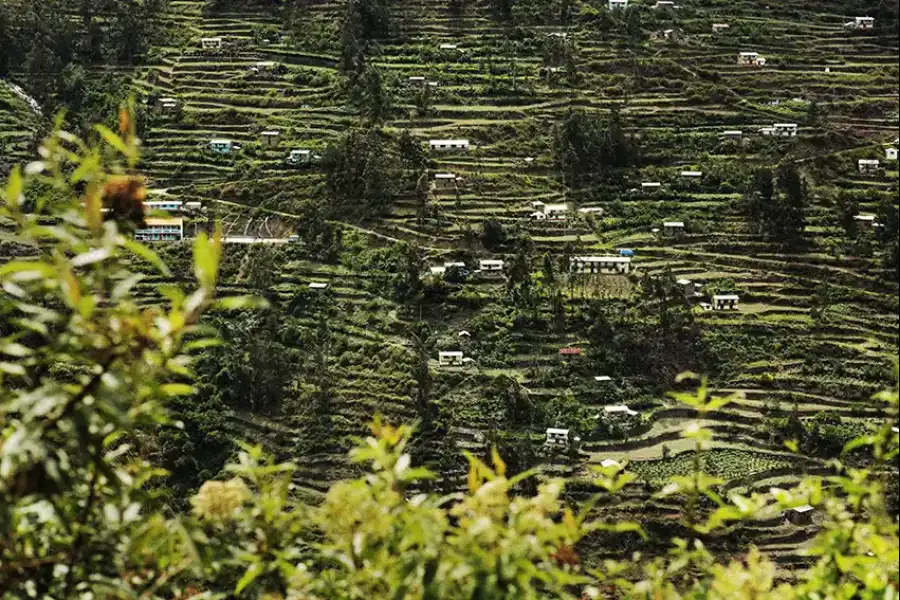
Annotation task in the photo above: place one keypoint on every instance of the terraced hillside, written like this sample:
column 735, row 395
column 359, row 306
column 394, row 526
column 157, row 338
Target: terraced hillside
column 19, row 123
column 668, row 181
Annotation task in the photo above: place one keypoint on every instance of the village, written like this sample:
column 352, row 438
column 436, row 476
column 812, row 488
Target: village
column 518, row 229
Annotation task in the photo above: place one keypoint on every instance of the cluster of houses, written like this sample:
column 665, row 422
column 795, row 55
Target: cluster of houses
column 549, row 212
column 165, row 228
column 860, row 23
column 600, row 265
column 559, row 211
column 268, row 139
column 781, row 130
column 561, row 438
column 722, row 301
column 486, row 267
column 448, row 145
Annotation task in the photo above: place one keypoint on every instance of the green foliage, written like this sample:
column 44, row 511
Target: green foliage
column 776, row 205
column 591, row 148
column 54, row 44
column 361, row 167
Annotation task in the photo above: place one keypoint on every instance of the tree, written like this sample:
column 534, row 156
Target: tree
column 519, row 283
column 361, row 169
column 423, row 100
column 251, row 370
column 376, row 100
column 591, row 148
column 788, row 219
column 816, row 114
column 760, row 195
column 776, row 206
column 848, row 209
column 634, row 25
column 493, row 234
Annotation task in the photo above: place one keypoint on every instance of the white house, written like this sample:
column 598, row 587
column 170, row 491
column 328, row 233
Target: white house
column 619, row 410
column 318, row 286
column 750, row 59
column 608, row 463
column 869, row 165
column 734, row 134
column 865, row 219
column 890, row 154
column 720, row 27
column 221, row 146
column 651, row 186
column 557, row 437
column 448, row 145
column 263, row 66
column 193, row 205
column 860, row 23
column 300, row 156
column 161, row 230
column 449, row 47
column 450, row 358
column 673, row 228
column 270, row 139
column 692, row 174
column 165, row 205
column 211, row 43
column 614, row 4
column 665, row 4
column 445, row 180
column 550, row 212
column 489, row 265
column 602, row 378
column 785, row 129
column 437, row 271
column 590, row 265
column 556, row 212
column 725, row 301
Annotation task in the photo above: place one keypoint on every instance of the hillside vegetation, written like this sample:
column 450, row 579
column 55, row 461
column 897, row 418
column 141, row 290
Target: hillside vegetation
column 561, row 102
